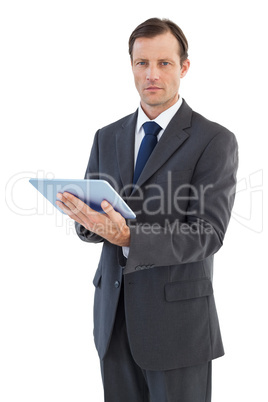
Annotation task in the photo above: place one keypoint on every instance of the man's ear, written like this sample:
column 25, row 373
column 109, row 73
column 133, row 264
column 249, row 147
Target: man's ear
column 185, row 68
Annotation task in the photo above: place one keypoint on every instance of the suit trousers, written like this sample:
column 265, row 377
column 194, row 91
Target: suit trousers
column 123, row 380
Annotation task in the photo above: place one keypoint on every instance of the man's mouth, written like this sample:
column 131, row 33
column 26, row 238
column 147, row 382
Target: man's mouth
column 152, row 88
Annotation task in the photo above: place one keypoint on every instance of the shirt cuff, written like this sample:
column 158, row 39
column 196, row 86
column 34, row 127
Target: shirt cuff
column 125, row 251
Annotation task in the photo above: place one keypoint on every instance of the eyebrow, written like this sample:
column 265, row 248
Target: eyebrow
column 161, row 60
column 166, row 59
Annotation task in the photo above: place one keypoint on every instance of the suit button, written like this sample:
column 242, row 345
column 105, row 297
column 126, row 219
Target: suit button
column 116, row 284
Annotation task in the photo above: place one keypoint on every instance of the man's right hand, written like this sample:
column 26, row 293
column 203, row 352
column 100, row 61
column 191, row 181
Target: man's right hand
column 111, row 225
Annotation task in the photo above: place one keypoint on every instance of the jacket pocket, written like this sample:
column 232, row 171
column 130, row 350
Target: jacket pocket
column 97, row 278
column 185, row 290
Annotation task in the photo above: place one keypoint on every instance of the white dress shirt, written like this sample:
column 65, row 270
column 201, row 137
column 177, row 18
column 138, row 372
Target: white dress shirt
column 163, row 120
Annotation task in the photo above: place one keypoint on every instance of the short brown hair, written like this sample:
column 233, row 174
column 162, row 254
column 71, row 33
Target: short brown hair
column 155, row 26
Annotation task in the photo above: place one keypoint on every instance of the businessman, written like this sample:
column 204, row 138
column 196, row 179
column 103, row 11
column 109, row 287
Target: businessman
column 155, row 321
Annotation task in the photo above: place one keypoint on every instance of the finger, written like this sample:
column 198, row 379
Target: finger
column 71, row 201
column 77, row 206
column 70, row 213
column 81, row 212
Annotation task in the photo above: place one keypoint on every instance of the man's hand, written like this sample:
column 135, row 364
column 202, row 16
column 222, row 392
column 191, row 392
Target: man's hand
column 111, row 225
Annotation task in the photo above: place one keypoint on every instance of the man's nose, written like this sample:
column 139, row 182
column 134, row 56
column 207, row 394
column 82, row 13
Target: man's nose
column 152, row 73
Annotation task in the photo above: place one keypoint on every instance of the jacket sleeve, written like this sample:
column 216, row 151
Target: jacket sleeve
column 91, row 173
column 201, row 234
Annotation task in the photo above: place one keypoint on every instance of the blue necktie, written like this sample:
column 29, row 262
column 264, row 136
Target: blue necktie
column 151, row 129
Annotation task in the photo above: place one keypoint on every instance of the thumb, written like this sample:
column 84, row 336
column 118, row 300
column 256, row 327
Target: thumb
column 112, row 214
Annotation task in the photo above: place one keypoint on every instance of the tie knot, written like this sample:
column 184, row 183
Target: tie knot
column 151, row 128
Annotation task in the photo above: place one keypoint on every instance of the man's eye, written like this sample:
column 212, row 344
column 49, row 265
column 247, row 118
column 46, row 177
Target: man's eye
column 141, row 63
column 165, row 63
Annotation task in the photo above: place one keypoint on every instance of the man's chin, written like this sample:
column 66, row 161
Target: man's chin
column 154, row 102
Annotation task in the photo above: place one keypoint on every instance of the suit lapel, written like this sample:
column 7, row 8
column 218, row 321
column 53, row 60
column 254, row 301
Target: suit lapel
column 172, row 138
column 125, row 140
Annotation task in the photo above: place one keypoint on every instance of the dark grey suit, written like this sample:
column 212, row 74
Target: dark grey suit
column 189, row 181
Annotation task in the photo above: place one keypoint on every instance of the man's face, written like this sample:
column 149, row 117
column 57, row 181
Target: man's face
column 157, row 72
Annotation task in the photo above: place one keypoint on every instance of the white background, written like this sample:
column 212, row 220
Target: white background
column 65, row 72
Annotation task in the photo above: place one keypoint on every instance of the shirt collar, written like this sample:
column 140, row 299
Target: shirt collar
column 163, row 119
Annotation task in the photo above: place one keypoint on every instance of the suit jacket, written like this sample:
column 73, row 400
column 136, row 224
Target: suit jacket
column 183, row 206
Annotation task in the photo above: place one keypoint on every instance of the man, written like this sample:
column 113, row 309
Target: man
column 155, row 322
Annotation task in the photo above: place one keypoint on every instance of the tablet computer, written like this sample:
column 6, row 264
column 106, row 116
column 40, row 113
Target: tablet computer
column 91, row 192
